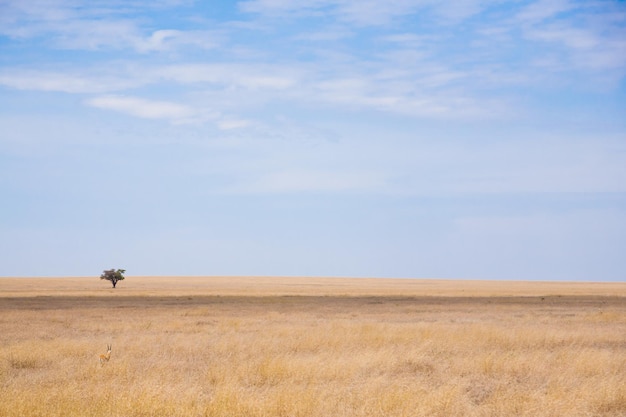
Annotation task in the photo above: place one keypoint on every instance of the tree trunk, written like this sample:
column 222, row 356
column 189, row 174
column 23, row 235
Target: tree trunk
column 114, row 282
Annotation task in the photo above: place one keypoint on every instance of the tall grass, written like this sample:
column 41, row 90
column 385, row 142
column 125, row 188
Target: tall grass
column 312, row 356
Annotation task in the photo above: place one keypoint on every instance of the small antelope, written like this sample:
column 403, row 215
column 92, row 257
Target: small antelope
column 105, row 358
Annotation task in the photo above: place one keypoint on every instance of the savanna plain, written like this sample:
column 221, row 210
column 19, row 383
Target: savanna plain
column 263, row 346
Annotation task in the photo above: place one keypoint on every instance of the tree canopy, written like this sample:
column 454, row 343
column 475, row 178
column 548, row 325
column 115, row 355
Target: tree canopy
column 113, row 275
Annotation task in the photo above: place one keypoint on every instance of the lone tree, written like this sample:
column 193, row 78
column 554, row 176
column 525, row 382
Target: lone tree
column 113, row 275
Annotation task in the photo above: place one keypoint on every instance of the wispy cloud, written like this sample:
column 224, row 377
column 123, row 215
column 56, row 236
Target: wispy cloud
column 589, row 45
column 171, row 40
column 173, row 112
column 149, row 109
column 366, row 12
column 418, row 73
column 283, row 7
column 326, row 35
column 299, row 181
column 70, row 25
column 538, row 11
column 69, row 81
column 373, row 12
column 262, row 76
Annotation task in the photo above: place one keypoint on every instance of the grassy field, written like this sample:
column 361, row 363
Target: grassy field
column 193, row 346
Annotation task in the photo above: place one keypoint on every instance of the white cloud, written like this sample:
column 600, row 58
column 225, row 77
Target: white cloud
column 295, row 181
column 69, row 81
column 417, row 88
column 159, row 40
column 374, row 12
column 408, row 39
column 459, row 10
column 571, row 37
column 599, row 57
column 66, row 23
column 579, row 36
column 262, row 76
column 149, row 109
column 126, row 34
column 229, row 124
column 95, row 34
column 543, row 9
column 283, row 7
column 361, row 13
column 418, row 74
column 365, row 12
column 96, row 26
column 327, row 35
column 172, row 112
column 172, row 40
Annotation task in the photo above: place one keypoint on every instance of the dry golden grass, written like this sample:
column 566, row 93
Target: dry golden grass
column 311, row 347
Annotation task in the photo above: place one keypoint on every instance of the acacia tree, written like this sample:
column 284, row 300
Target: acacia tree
column 113, row 275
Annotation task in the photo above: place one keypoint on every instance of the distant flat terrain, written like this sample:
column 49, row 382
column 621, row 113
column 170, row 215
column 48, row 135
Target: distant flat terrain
column 256, row 286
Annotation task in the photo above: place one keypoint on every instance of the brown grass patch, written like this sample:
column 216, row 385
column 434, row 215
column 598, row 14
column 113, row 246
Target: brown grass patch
column 311, row 347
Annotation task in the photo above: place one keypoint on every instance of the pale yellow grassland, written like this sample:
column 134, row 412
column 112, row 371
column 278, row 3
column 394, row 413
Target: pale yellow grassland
column 255, row 286
column 311, row 347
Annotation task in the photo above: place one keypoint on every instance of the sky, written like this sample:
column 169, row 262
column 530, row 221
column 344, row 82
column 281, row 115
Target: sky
column 473, row 139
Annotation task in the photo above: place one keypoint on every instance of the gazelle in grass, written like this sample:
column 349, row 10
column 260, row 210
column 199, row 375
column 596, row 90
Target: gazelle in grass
column 105, row 357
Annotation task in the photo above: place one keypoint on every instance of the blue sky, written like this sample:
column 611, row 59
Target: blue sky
column 400, row 138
